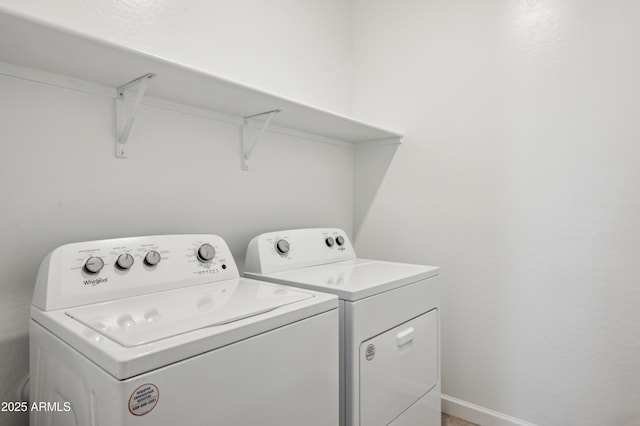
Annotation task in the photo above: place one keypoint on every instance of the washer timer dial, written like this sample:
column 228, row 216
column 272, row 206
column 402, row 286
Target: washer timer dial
column 206, row 253
column 282, row 247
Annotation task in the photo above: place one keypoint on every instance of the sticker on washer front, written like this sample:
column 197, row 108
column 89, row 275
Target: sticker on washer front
column 143, row 399
column 370, row 352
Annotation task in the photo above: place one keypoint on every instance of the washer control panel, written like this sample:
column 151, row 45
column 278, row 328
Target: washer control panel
column 97, row 271
column 297, row 248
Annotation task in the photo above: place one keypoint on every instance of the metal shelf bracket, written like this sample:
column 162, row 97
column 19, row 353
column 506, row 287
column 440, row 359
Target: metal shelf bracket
column 248, row 143
column 126, row 110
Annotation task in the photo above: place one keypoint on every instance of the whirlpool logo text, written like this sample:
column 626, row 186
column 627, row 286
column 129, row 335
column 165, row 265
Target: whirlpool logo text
column 96, row 281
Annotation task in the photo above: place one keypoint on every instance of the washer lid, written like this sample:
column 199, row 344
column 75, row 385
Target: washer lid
column 139, row 320
column 352, row 279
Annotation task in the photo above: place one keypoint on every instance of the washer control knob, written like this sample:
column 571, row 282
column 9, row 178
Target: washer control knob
column 330, row 241
column 152, row 258
column 124, row 261
column 206, row 253
column 340, row 240
column 282, row 247
column 94, row 264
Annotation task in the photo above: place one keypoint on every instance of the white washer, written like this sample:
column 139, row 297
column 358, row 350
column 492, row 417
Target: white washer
column 162, row 330
column 389, row 322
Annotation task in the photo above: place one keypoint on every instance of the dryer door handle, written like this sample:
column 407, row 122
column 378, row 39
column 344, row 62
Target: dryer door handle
column 405, row 336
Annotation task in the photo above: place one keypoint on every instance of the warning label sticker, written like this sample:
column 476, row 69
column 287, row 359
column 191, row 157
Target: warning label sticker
column 143, row 399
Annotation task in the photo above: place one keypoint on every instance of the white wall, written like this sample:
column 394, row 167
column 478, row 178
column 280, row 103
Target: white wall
column 519, row 177
column 60, row 181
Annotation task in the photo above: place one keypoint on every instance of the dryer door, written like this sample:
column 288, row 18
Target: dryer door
column 398, row 367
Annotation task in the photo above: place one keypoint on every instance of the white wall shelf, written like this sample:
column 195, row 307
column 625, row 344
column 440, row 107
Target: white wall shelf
column 59, row 51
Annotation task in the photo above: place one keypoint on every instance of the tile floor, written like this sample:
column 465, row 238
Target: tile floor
column 448, row 420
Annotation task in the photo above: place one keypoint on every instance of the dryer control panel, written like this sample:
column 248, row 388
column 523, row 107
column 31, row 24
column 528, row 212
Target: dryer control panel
column 297, row 248
column 98, row 271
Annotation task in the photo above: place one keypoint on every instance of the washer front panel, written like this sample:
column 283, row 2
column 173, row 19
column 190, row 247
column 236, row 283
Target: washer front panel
column 274, row 378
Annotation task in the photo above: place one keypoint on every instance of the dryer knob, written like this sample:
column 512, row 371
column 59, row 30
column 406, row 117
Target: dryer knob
column 93, row 265
column 206, row 253
column 124, row 261
column 152, row 258
column 282, row 246
column 340, row 240
column 329, row 241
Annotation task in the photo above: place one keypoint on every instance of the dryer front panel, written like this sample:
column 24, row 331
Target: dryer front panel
column 397, row 368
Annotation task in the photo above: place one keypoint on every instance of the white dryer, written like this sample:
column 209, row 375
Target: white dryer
column 389, row 322
column 162, row 330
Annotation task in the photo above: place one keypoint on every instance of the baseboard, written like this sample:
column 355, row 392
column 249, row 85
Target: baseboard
column 477, row 414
